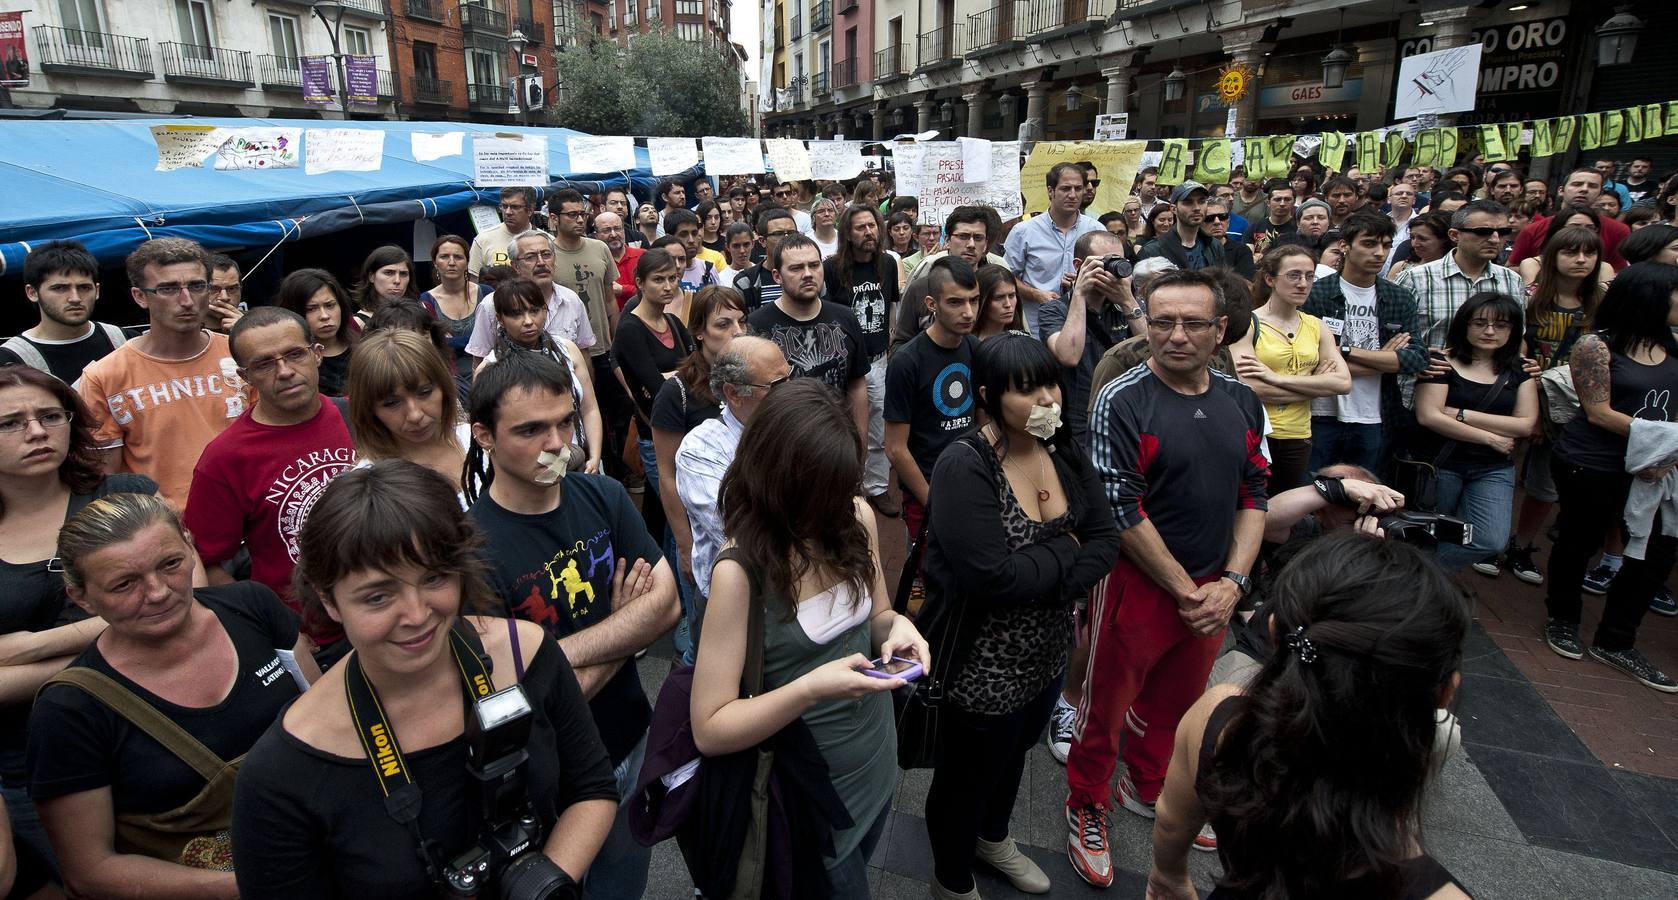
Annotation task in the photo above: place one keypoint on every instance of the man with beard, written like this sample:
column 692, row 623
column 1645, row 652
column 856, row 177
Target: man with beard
column 1185, row 246
column 62, row 278
column 1341, row 193
column 617, row 203
column 821, row 340
column 860, row 277
column 533, row 258
column 257, row 480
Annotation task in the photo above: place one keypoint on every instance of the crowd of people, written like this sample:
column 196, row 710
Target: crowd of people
column 1182, row 483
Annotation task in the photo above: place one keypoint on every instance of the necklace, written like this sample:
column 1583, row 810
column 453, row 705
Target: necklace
column 1042, row 476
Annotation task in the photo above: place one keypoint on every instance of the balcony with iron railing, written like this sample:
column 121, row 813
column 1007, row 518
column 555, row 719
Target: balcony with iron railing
column 846, row 6
column 376, row 8
column 822, row 84
column 71, row 51
column 891, row 62
column 280, row 73
column 844, row 74
column 488, row 97
column 1042, row 17
column 797, row 26
column 821, row 16
column 993, row 29
column 200, row 64
column 431, row 91
column 936, row 48
column 429, row 10
column 482, row 17
column 533, row 31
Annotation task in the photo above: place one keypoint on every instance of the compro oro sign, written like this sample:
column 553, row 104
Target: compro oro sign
column 1523, row 66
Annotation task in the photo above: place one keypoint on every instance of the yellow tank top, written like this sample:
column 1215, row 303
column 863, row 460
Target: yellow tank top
column 1296, row 356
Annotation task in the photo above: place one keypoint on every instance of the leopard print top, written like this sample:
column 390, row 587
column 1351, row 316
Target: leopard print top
column 1017, row 649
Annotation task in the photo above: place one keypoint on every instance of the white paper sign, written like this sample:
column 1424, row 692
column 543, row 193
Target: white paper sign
column 788, row 158
column 592, row 153
column 1443, row 81
column 975, row 159
column 1112, row 126
column 1304, row 146
column 260, row 148
column 672, row 156
column 733, row 156
column 427, row 147
column 343, row 150
column 483, row 217
column 185, row 146
column 1229, row 123
column 509, row 160
column 907, row 159
column 835, row 160
column 1149, row 158
column 945, row 184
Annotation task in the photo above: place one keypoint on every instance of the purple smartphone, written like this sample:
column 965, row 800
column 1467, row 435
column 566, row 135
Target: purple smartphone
column 898, row 667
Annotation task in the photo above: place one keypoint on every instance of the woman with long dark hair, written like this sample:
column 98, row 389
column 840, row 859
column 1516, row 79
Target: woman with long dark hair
column 386, row 275
column 1559, row 308
column 1430, row 240
column 454, row 301
column 1019, row 527
column 1369, row 648
column 1657, row 243
column 389, row 554
column 999, row 302
column 804, row 545
column 1161, row 219
column 1289, row 360
column 317, row 296
column 1625, row 369
column 1470, row 420
column 716, row 317
column 1567, row 217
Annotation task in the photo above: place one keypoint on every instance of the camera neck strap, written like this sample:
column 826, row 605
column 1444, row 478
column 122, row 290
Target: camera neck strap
column 378, row 738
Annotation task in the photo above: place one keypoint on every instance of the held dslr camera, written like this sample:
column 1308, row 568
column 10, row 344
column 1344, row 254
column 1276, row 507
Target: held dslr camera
column 507, row 861
column 1425, row 529
column 1116, row 266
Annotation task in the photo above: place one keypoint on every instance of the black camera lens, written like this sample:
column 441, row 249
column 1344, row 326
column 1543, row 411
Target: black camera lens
column 533, row 876
column 1117, row 266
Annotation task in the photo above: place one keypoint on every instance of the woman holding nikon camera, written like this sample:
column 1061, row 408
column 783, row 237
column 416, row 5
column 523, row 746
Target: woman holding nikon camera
column 388, row 553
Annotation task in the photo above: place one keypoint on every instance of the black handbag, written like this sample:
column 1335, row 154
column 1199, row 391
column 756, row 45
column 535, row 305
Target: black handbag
column 1418, row 480
column 918, row 704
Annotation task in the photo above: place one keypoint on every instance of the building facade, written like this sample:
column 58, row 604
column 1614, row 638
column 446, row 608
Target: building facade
column 192, row 57
column 456, row 62
column 1043, row 69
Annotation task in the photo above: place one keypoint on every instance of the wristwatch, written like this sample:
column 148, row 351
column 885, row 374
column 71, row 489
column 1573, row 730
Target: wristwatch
column 1462, row 415
column 1241, row 581
column 1136, row 313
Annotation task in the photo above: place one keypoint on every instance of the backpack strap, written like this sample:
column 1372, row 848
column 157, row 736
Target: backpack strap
column 144, row 716
column 27, row 352
column 113, row 334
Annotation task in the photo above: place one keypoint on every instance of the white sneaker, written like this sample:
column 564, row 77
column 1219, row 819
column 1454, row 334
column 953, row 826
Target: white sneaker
column 1059, row 736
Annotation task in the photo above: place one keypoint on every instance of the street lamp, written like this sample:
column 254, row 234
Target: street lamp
column 331, row 15
column 517, row 42
column 1334, row 67
column 1617, row 37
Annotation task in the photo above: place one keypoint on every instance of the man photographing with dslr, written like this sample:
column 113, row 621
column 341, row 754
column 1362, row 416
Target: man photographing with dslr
column 1098, row 312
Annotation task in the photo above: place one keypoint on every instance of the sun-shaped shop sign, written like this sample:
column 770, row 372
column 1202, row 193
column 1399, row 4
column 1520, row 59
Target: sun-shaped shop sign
column 1233, row 82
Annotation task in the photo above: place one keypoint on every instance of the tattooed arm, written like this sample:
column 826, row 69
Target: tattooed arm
column 1589, row 363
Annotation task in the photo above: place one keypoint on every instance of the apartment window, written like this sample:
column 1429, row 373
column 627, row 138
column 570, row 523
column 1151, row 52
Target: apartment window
column 425, row 61
column 282, row 33
column 81, row 15
column 484, row 66
column 358, row 42
column 690, row 31
column 630, row 15
column 612, row 16
column 193, row 16
column 690, row 7
column 653, row 11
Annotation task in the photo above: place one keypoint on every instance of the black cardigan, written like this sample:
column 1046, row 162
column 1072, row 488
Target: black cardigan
column 967, row 558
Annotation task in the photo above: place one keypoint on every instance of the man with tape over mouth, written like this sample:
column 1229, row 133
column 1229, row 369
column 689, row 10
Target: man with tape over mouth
column 570, row 552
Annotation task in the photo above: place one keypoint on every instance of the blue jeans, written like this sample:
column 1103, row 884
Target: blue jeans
column 685, row 589
column 620, row 868
column 848, row 878
column 1334, row 441
column 1481, row 496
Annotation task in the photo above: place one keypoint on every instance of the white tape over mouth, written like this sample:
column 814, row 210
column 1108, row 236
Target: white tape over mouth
column 553, row 465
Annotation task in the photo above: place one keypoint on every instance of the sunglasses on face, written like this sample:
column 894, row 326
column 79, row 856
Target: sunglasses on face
column 1217, row 217
column 1504, row 231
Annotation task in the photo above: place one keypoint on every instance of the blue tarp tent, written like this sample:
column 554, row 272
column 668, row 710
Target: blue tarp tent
column 96, row 182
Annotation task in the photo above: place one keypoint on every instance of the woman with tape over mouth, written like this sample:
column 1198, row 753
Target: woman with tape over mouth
column 134, row 748
column 390, row 555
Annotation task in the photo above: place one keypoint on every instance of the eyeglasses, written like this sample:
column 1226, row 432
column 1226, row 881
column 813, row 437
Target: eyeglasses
column 1217, row 217
column 575, row 214
column 537, row 256
column 1298, row 277
column 771, row 385
column 172, row 289
column 1095, row 182
column 51, row 418
column 1189, row 326
column 267, row 366
column 1490, row 325
column 513, row 207
column 967, row 237
column 1505, row 231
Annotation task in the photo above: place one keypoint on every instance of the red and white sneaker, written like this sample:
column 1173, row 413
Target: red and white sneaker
column 1126, row 795
column 1086, row 845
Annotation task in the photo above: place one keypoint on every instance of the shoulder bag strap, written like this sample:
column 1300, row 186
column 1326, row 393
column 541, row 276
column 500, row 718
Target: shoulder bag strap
column 144, row 716
column 27, row 352
column 1485, row 401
